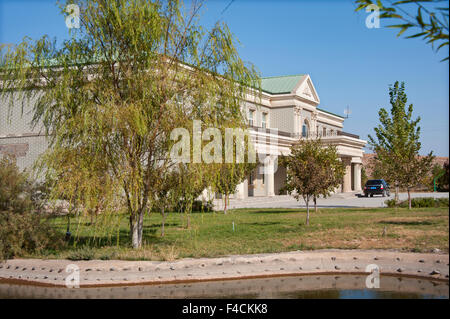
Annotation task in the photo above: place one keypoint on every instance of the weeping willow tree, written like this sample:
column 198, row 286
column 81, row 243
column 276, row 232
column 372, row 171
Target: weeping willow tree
column 109, row 96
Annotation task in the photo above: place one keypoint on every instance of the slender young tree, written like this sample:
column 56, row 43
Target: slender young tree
column 165, row 194
column 112, row 93
column 227, row 176
column 397, row 144
column 312, row 170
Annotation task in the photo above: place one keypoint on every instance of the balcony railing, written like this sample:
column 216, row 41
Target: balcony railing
column 308, row 135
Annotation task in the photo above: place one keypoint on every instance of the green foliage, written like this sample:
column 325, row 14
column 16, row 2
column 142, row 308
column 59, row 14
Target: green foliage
column 396, row 143
column 25, row 233
column 440, row 176
column 197, row 206
column 431, row 19
column 227, row 176
column 22, row 229
column 420, row 202
column 85, row 253
column 110, row 96
column 15, row 189
column 312, row 170
column 364, row 177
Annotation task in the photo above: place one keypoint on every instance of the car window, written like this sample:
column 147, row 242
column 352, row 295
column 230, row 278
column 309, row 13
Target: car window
column 374, row 182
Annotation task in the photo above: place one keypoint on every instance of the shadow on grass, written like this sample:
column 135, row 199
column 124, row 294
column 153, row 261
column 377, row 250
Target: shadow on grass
column 262, row 223
column 158, row 226
column 269, row 211
column 407, row 223
column 150, row 236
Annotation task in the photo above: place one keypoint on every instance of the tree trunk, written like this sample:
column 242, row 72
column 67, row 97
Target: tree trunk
column 134, row 233
column 315, row 204
column 396, row 194
column 307, row 211
column 141, row 226
column 225, row 206
column 136, row 228
column 163, row 222
column 409, row 198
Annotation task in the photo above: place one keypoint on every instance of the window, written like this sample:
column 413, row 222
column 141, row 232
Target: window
column 264, row 120
column 305, row 129
column 251, row 116
column 324, row 131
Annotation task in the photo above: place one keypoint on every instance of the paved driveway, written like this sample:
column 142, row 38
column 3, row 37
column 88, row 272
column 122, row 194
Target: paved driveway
column 336, row 200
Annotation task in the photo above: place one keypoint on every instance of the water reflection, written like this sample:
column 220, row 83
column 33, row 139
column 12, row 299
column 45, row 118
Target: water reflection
column 299, row 287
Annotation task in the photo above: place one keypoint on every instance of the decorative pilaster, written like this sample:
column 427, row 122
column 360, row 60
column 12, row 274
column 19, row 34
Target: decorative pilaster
column 297, row 120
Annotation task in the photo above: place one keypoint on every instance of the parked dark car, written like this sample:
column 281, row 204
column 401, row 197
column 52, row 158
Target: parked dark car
column 376, row 186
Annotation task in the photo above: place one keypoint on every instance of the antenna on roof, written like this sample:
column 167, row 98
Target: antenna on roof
column 347, row 112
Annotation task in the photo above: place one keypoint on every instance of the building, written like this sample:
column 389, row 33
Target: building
column 289, row 104
column 287, row 111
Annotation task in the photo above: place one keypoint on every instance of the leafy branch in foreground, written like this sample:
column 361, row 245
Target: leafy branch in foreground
column 432, row 22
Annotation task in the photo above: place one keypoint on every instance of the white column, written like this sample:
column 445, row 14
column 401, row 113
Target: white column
column 347, row 182
column 241, row 190
column 207, row 194
column 269, row 175
column 357, row 176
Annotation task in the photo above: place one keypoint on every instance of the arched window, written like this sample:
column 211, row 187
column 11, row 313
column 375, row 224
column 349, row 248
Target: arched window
column 305, row 129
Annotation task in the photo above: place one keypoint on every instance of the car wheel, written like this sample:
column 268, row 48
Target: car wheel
column 366, row 195
column 371, row 195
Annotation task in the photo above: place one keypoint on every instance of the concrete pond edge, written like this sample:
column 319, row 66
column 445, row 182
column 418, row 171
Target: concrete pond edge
column 109, row 273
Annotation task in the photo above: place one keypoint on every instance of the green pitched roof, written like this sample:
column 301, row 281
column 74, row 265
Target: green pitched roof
column 280, row 84
column 331, row 113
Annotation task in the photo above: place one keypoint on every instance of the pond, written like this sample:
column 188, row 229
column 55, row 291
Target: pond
column 292, row 287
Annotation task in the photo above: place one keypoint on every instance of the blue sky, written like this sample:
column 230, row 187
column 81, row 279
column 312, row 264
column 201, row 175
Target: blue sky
column 348, row 63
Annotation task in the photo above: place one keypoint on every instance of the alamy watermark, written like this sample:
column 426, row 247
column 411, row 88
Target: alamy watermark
column 73, row 278
column 73, row 17
column 230, row 148
column 373, row 280
column 373, row 19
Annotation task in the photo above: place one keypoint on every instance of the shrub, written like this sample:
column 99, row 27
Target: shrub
column 25, row 233
column 420, row 202
column 84, row 253
column 22, row 228
column 197, row 206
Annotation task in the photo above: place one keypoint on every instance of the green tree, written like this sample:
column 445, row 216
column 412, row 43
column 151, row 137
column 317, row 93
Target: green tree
column 165, row 194
column 312, row 169
column 227, row 176
column 364, row 176
column 431, row 18
column 439, row 177
column 442, row 181
column 397, row 144
column 113, row 92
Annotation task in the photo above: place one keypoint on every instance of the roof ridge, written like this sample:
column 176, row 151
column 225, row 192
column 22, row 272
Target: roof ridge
column 281, row 76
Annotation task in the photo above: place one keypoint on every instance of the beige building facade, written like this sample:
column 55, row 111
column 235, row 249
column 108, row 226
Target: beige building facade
column 287, row 111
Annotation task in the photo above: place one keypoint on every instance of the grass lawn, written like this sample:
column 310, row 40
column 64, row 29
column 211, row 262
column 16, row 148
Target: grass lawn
column 258, row 231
